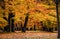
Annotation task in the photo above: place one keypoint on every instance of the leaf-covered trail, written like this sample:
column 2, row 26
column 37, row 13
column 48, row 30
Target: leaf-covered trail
column 29, row 35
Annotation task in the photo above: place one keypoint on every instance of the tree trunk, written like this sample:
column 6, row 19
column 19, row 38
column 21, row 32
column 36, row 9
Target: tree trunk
column 34, row 28
column 25, row 24
column 12, row 25
column 56, row 1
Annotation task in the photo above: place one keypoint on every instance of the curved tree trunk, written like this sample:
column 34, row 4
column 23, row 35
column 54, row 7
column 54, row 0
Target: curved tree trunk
column 25, row 24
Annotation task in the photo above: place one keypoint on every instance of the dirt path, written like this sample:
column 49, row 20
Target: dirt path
column 29, row 35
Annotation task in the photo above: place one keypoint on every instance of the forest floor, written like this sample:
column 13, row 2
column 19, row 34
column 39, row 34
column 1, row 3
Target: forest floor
column 29, row 35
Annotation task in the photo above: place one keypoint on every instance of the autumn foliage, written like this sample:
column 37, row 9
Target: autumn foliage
column 39, row 10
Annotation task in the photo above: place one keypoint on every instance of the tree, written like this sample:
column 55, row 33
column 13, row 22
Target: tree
column 34, row 27
column 40, row 10
column 57, row 2
column 25, row 24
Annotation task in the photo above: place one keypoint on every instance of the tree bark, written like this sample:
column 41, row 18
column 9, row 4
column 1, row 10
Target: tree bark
column 25, row 24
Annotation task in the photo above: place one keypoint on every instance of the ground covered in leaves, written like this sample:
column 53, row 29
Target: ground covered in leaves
column 29, row 35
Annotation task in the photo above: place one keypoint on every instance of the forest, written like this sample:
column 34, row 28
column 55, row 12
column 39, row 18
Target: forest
column 29, row 14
